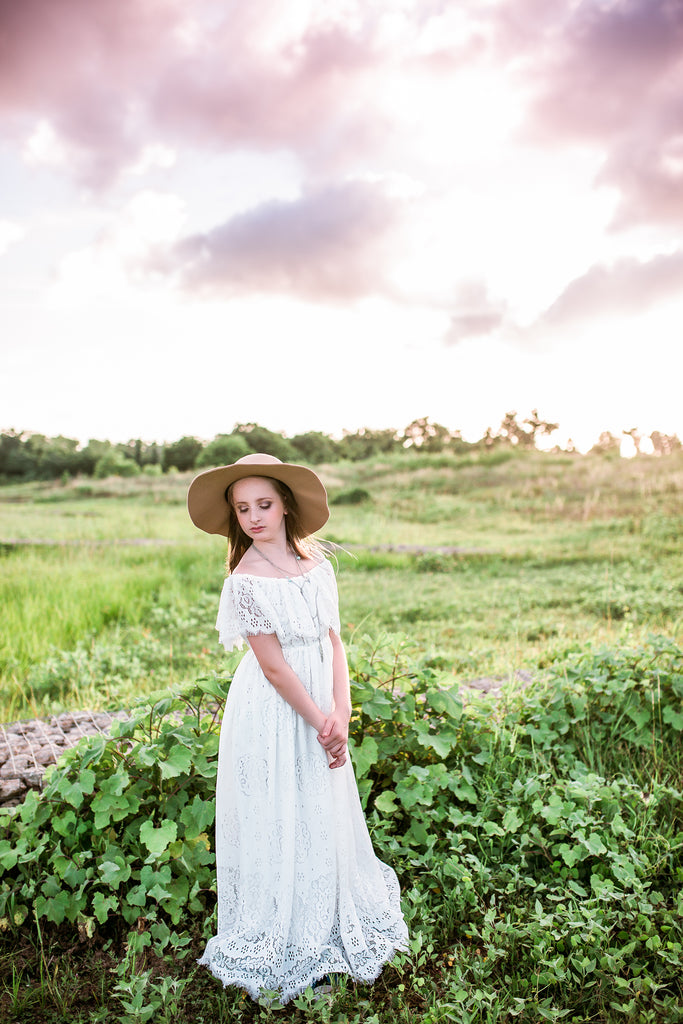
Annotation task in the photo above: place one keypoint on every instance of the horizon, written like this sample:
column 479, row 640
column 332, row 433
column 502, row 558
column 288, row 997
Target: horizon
column 543, row 442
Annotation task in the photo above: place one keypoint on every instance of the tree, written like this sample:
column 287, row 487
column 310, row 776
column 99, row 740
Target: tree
column 260, row 439
column 364, row 443
column 13, row 459
column 182, row 454
column 606, row 444
column 511, row 432
column 142, row 453
column 635, row 436
column 427, row 436
column 314, row 447
column 92, row 453
column 514, row 433
column 115, row 463
column 489, row 440
column 539, row 426
column 664, row 444
column 223, row 450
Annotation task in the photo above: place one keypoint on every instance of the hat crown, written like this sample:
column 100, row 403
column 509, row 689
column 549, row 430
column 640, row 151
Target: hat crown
column 258, row 459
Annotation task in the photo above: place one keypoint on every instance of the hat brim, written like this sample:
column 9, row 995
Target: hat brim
column 208, row 508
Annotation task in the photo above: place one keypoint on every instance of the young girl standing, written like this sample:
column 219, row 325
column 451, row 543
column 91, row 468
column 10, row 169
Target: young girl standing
column 301, row 894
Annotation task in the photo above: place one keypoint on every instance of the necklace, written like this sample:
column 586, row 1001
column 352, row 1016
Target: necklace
column 284, row 572
column 300, row 584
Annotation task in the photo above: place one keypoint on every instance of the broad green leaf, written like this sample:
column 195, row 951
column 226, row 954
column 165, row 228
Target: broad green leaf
column 178, row 762
column 102, row 905
column 8, row 855
column 447, row 702
column 152, row 874
column 386, row 802
column 418, row 834
column 512, row 820
column 492, row 828
column 136, row 897
column 157, row 839
column 198, row 816
column 641, row 717
column 110, row 807
column 114, row 872
column 463, row 791
column 672, row 717
column 594, row 844
column 54, row 908
column 64, row 824
column 157, row 892
column 571, row 855
column 365, row 756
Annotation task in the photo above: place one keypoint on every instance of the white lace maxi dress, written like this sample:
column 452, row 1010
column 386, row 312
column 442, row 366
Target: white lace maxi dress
column 301, row 893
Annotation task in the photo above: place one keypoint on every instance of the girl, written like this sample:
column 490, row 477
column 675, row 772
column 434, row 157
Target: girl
column 301, row 894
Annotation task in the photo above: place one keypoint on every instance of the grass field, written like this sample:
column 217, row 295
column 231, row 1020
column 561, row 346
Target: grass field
column 108, row 590
column 538, row 840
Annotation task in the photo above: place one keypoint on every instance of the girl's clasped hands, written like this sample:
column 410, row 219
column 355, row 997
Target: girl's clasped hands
column 334, row 738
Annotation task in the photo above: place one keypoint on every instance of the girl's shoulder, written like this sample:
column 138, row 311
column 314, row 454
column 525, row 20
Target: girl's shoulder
column 249, row 569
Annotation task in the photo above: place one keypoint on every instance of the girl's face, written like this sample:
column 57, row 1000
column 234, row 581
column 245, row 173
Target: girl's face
column 259, row 508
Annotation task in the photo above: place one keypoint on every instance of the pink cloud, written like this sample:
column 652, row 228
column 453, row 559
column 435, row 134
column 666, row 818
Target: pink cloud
column 309, row 96
column 331, row 244
column 85, row 68
column 112, row 76
column 612, row 76
column 628, row 286
column 476, row 313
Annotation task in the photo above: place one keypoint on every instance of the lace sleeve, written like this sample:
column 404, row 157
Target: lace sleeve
column 242, row 612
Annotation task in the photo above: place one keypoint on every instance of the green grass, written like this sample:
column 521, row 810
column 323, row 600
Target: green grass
column 555, row 549
column 539, row 847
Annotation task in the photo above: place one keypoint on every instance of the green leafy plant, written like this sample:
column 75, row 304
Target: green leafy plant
column 121, row 831
column 539, row 843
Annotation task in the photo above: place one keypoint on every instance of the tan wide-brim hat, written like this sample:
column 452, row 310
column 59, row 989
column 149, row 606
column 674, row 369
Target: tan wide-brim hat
column 208, row 506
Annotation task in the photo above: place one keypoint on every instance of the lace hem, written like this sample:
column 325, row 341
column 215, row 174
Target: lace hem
column 258, row 981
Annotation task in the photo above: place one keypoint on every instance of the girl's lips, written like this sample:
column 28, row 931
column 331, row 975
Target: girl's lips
column 256, row 529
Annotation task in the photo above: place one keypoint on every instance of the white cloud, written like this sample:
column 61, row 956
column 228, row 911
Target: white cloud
column 9, row 234
column 153, row 156
column 44, row 146
column 110, row 266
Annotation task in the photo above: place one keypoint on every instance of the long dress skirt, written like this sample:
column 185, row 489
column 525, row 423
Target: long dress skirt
column 301, row 893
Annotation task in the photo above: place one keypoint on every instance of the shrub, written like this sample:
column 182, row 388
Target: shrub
column 121, row 831
column 352, row 496
column 112, row 463
column 223, row 450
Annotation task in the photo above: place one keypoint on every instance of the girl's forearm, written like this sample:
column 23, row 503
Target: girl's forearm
column 284, row 679
column 341, row 689
column 291, row 689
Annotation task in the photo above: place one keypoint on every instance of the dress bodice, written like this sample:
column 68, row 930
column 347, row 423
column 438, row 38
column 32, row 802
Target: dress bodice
column 299, row 610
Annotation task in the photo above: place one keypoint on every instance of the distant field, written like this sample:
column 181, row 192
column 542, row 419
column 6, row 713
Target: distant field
column 112, row 591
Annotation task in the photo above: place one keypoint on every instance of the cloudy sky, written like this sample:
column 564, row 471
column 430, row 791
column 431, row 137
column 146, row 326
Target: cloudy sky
column 325, row 216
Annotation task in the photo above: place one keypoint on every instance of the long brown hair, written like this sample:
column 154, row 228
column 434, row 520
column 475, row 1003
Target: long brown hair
column 238, row 542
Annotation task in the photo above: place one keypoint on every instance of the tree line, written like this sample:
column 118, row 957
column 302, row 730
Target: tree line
column 26, row 456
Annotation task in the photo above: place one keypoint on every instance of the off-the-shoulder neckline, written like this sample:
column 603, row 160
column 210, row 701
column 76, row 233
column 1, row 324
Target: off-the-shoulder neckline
column 277, row 579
